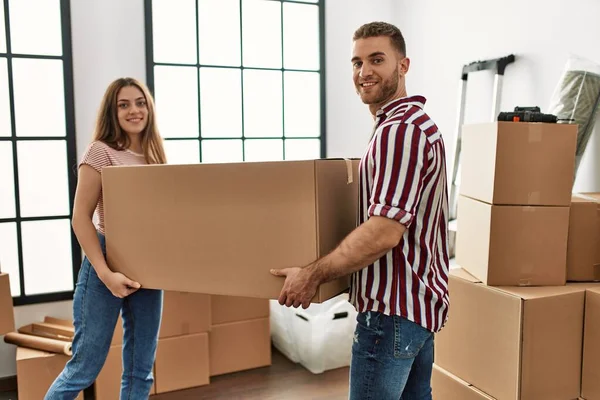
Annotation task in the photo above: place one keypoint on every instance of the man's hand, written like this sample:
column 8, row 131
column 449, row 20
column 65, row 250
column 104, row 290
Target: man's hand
column 299, row 287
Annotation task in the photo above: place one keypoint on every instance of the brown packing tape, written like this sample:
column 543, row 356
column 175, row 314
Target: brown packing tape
column 39, row 343
column 349, row 170
column 596, row 272
column 535, row 133
column 534, row 197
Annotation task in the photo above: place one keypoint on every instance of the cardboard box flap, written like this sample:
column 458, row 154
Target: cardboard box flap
column 589, row 196
column 446, row 386
column 24, row 353
column 538, row 292
column 463, row 274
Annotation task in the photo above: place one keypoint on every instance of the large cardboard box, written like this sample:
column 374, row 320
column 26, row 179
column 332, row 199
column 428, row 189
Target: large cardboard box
column 518, row 163
column 583, row 247
column 239, row 346
column 590, row 382
column 7, row 318
column 514, row 343
column 226, row 309
column 185, row 314
column 445, row 386
column 182, row 362
column 220, row 228
column 36, row 371
column 512, row 245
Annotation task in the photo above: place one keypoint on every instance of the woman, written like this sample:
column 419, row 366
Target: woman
column 126, row 134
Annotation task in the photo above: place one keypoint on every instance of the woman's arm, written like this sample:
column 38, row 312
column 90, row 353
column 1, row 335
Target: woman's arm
column 89, row 186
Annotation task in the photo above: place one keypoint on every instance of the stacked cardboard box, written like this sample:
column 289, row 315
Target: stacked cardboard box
column 200, row 336
column 516, row 327
column 7, row 318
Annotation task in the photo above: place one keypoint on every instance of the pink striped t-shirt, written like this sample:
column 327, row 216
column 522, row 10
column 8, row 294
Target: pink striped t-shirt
column 99, row 155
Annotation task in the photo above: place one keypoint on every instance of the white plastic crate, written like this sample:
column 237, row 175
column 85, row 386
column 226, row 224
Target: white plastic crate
column 320, row 337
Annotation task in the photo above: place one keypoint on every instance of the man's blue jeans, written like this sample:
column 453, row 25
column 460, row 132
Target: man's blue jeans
column 392, row 359
column 95, row 313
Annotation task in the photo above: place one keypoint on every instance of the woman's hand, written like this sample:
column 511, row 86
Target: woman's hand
column 119, row 285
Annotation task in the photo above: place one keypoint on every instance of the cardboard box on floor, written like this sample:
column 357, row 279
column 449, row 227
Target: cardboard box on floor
column 583, row 246
column 512, row 245
column 590, row 382
column 445, row 386
column 225, row 309
column 518, row 163
column 36, row 371
column 220, row 228
column 108, row 382
column 7, row 318
column 514, row 343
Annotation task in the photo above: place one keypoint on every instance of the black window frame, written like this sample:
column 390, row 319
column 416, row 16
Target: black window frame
column 150, row 64
column 71, row 144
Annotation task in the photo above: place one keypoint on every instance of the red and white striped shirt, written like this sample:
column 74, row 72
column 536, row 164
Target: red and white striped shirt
column 99, row 155
column 403, row 176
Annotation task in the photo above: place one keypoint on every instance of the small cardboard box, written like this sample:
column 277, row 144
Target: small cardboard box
column 36, row 371
column 590, row 382
column 7, row 318
column 514, row 343
column 518, row 163
column 583, row 246
column 220, row 228
column 226, row 309
column 445, row 386
column 239, row 346
column 182, row 362
column 512, row 245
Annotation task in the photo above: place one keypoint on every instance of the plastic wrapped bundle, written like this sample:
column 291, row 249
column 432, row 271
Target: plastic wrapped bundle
column 576, row 100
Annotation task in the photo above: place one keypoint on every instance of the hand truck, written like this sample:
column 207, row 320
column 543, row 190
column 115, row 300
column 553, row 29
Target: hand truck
column 499, row 66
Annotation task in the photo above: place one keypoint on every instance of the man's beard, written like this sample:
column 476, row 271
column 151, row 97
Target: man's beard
column 385, row 92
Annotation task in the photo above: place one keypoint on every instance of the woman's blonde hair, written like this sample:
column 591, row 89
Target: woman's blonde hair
column 109, row 131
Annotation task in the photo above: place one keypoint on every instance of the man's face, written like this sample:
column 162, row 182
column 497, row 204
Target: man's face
column 378, row 70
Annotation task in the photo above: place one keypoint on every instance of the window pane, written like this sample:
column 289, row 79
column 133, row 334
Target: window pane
column 221, row 102
column 35, row 27
column 217, row 151
column 174, row 31
column 176, row 94
column 182, row 151
column 300, row 36
column 302, row 104
column 264, row 150
column 2, row 29
column 43, row 179
column 37, row 83
column 5, row 124
column 262, row 103
column 47, row 256
column 9, row 257
column 7, row 181
column 261, row 33
column 222, row 16
column 302, row 149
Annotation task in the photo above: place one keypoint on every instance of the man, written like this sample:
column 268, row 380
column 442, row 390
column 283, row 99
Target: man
column 398, row 255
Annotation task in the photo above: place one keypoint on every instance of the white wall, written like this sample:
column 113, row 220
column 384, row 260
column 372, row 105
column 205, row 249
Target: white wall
column 442, row 36
column 109, row 42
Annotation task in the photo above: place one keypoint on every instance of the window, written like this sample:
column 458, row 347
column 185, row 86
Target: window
column 237, row 80
column 37, row 150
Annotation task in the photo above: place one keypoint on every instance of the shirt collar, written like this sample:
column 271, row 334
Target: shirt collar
column 391, row 107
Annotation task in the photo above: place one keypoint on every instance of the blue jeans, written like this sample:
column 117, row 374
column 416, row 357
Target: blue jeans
column 392, row 359
column 95, row 314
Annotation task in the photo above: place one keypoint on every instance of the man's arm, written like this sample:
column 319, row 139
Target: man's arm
column 366, row 244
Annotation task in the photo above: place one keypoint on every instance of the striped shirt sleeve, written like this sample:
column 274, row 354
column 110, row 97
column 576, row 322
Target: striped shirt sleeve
column 96, row 156
column 399, row 166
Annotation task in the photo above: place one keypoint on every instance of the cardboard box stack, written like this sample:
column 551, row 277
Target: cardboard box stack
column 200, row 336
column 516, row 326
column 7, row 318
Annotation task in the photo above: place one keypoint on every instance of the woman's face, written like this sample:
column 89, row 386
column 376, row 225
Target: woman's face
column 132, row 110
